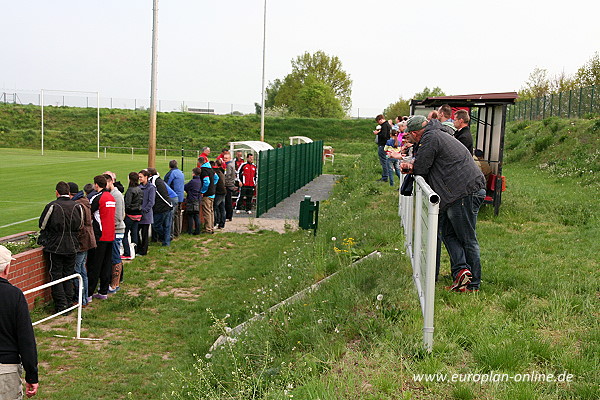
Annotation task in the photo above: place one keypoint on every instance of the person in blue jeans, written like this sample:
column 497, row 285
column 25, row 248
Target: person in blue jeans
column 163, row 210
column 194, row 197
column 451, row 172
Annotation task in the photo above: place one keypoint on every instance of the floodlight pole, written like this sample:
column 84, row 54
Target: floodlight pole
column 98, row 120
column 262, row 106
column 153, row 91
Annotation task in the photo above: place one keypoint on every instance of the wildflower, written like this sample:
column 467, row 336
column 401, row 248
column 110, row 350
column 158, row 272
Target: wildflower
column 320, row 321
column 333, row 238
column 289, row 265
column 336, row 330
column 208, row 355
column 289, row 277
column 379, row 297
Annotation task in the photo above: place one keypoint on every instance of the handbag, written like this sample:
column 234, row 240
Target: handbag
column 192, row 207
column 407, row 185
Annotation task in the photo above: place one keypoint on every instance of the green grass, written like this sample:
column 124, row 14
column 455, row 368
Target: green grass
column 537, row 310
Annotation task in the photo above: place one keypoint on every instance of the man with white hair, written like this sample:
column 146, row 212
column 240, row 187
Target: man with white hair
column 17, row 342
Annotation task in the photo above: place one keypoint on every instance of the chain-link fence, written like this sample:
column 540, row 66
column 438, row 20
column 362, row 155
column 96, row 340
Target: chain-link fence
column 575, row 103
column 59, row 98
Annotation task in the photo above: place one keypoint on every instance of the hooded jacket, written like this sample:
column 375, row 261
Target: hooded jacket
column 208, row 180
column 60, row 223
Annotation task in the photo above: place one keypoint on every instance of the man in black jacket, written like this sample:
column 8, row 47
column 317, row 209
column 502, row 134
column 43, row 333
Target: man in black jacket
column 383, row 135
column 59, row 224
column 17, row 341
column 163, row 210
column 463, row 132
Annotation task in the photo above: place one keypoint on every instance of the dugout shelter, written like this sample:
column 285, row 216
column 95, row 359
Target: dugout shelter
column 488, row 112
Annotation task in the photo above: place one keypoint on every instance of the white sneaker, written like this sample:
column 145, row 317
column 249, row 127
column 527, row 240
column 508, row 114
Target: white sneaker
column 237, row 211
column 249, row 212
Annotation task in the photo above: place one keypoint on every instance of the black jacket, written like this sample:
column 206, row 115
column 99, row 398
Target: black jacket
column 207, row 172
column 17, row 342
column 162, row 203
column 384, row 134
column 220, row 186
column 464, row 136
column 133, row 200
column 59, row 224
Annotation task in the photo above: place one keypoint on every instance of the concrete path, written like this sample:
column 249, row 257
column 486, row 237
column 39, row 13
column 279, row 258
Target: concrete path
column 285, row 214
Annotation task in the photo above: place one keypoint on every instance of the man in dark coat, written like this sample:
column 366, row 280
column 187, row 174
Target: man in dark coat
column 60, row 223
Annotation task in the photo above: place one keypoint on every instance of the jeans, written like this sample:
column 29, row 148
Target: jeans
column 229, row 204
column 142, row 248
column 116, row 250
column 219, row 207
column 383, row 161
column 81, row 269
column 193, row 222
column 393, row 167
column 131, row 227
column 457, row 225
column 162, row 226
column 61, row 266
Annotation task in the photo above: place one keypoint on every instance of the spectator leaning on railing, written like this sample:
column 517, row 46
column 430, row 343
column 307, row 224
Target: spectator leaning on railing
column 451, row 172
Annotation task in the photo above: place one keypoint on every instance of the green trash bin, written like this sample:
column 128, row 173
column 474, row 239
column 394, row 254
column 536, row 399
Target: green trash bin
column 309, row 214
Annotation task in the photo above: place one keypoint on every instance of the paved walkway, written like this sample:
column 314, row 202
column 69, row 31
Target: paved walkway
column 285, row 214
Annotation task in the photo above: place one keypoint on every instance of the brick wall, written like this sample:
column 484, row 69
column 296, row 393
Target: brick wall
column 29, row 271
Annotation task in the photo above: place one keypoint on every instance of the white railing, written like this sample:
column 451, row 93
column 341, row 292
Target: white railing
column 76, row 306
column 419, row 216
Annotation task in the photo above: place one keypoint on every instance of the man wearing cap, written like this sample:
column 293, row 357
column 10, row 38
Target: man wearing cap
column 60, row 223
column 451, row 172
column 17, row 342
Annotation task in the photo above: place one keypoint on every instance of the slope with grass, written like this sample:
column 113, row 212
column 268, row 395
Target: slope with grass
column 537, row 310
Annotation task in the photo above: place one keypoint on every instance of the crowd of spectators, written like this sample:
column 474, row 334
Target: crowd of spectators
column 92, row 231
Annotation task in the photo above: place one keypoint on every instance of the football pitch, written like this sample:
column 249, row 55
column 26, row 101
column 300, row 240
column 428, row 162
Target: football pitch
column 28, row 179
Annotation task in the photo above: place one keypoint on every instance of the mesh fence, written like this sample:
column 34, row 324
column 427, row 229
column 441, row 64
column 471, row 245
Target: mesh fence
column 576, row 103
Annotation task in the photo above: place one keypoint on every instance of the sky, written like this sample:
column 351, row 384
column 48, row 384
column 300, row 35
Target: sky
column 212, row 50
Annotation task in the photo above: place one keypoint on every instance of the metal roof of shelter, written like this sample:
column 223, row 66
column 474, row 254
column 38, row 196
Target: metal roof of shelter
column 255, row 145
column 299, row 139
column 469, row 100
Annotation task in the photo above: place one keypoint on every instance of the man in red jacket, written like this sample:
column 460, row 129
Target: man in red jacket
column 103, row 208
column 247, row 178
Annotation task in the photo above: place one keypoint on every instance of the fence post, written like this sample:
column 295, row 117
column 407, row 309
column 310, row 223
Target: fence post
column 570, row 98
column 559, row 103
column 592, row 100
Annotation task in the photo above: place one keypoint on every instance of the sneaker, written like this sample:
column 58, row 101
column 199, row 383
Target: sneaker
column 126, row 258
column 237, row 211
column 89, row 299
column 472, row 290
column 463, row 278
column 113, row 291
column 249, row 212
column 100, row 296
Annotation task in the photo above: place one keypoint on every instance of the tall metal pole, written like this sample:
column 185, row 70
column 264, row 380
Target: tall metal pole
column 262, row 106
column 42, row 107
column 153, row 90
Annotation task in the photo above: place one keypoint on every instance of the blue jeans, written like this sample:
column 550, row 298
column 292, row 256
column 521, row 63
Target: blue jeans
column 162, row 227
column 383, row 161
column 116, row 249
column 80, row 259
column 220, row 210
column 131, row 227
column 393, row 167
column 193, row 223
column 457, row 225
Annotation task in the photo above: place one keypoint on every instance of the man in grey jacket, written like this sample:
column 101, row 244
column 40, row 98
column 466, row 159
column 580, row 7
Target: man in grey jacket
column 230, row 185
column 449, row 169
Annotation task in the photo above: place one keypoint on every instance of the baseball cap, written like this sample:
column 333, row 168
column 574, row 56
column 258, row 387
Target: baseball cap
column 5, row 255
column 415, row 123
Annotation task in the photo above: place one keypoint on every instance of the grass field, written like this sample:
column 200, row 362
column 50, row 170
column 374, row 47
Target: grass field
column 28, row 179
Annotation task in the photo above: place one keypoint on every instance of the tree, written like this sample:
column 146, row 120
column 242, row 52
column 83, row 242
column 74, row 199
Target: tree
column 401, row 107
column 324, row 68
column 562, row 82
column 537, row 85
column 425, row 93
column 589, row 73
column 316, row 99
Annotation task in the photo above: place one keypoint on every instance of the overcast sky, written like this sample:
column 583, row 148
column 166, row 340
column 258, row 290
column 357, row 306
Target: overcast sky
column 212, row 50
